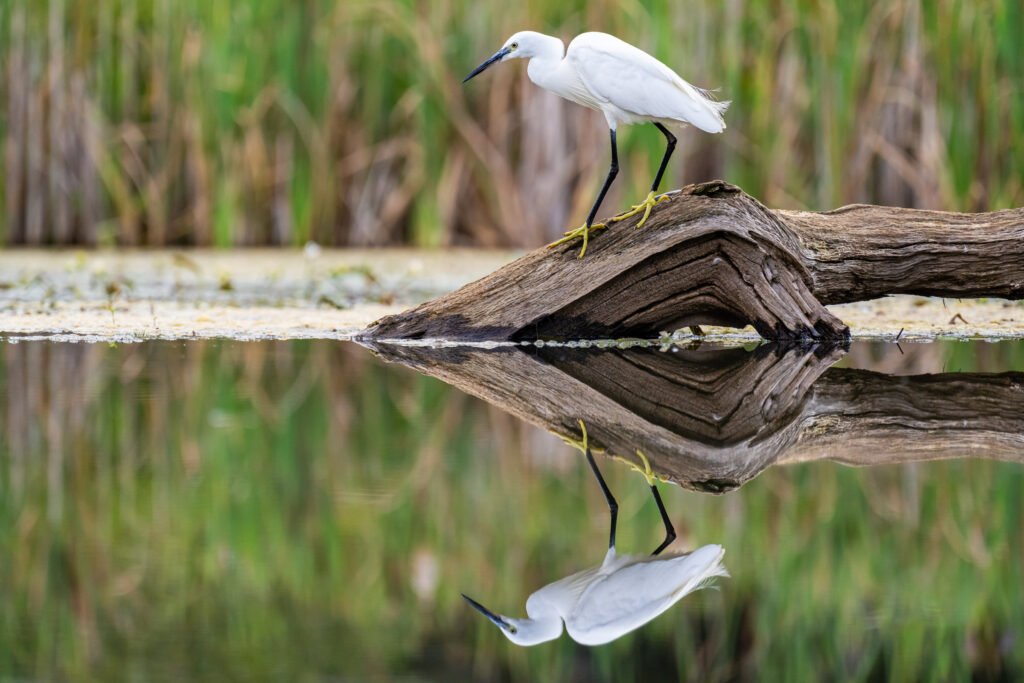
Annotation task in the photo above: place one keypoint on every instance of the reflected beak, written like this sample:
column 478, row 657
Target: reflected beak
column 496, row 57
column 498, row 621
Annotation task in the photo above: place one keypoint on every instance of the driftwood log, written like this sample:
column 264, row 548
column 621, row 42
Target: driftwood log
column 711, row 419
column 714, row 255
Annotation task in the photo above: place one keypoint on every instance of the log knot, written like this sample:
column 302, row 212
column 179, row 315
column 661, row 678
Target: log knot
column 716, row 189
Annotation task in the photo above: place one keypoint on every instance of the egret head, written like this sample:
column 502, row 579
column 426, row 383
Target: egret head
column 522, row 45
column 521, row 631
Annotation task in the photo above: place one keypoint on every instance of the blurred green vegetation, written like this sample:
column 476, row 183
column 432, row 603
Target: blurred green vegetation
column 272, row 121
column 298, row 511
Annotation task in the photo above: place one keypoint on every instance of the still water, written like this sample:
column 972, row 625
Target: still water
column 312, row 510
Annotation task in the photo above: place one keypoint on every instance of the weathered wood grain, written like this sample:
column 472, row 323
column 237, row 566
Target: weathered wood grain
column 715, row 255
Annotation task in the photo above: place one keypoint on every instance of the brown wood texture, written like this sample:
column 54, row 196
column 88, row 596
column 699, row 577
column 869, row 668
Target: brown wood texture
column 711, row 419
column 714, row 255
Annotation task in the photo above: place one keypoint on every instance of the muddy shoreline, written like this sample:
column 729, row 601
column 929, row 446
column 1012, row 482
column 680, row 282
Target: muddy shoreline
column 123, row 296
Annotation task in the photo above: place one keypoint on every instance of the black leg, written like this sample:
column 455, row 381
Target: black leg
column 668, row 153
column 612, row 172
column 613, row 507
column 670, row 532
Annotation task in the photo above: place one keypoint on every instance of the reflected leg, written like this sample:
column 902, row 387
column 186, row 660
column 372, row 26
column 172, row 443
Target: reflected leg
column 670, row 532
column 613, row 506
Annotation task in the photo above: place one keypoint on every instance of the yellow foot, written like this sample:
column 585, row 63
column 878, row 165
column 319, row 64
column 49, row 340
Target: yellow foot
column 643, row 207
column 582, row 231
column 581, row 445
column 646, row 471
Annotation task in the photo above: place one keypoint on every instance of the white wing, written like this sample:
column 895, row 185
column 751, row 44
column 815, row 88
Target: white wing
column 634, row 81
column 562, row 594
column 632, row 596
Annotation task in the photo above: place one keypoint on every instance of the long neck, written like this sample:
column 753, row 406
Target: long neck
column 544, row 622
column 536, row 630
column 545, row 62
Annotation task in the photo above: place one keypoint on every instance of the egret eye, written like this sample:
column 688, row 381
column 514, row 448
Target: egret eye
column 514, row 46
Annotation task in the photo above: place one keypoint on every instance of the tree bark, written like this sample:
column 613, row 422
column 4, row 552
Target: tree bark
column 715, row 255
column 711, row 419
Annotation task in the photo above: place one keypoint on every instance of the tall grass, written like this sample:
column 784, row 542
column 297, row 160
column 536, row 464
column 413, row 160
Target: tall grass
column 272, row 122
column 294, row 511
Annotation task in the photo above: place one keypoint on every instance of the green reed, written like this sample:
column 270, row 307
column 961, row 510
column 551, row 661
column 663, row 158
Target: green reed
column 261, row 511
column 271, row 122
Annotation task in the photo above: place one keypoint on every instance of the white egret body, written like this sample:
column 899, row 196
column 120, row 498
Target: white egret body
column 623, row 593
column 625, row 83
column 603, row 603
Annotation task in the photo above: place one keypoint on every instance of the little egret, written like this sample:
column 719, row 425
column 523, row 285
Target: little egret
column 625, row 83
column 623, row 593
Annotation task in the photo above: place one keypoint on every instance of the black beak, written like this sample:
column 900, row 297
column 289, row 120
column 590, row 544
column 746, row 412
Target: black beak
column 496, row 57
column 498, row 621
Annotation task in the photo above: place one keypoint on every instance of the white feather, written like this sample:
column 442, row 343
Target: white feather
column 634, row 86
column 623, row 593
column 640, row 590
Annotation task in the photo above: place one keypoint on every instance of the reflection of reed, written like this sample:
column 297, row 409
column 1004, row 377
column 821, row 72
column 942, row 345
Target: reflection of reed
column 129, row 474
column 172, row 508
column 916, row 359
column 174, row 123
column 44, row 412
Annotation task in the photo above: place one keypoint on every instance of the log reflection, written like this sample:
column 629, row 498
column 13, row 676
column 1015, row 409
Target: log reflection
column 711, row 419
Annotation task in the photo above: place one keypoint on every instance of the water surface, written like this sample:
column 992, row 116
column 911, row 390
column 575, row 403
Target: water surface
column 303, row 510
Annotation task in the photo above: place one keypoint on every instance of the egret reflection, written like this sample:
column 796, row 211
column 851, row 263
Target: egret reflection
column 624, row 592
